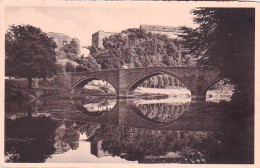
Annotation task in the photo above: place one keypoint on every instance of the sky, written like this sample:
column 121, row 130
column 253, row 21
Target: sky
column 82, row 22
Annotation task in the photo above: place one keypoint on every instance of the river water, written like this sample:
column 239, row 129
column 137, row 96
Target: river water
column 126, row 131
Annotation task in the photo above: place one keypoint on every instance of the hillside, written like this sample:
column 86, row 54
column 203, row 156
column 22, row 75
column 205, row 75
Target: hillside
column 137, row 48
column 68, row 48
column 60, row 39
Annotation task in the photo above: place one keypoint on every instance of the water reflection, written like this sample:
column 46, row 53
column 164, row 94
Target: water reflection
column 104, row 105
column 56, row 143
column 163, row 112
column 160, row 111
column 29, row 139
column 147, row 146
column 143, row 131
column 105, row 140
column 96, row 107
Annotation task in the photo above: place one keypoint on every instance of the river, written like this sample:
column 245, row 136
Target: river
column 167, row 130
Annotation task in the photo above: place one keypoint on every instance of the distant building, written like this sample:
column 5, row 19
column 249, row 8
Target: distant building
column 172, row 32
column 59, row 38
column 98, row 37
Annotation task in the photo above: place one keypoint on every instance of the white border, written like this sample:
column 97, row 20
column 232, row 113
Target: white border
column 125, row 4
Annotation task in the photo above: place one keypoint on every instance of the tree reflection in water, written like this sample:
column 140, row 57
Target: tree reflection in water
column 29, row 139
column 163, row 112
column 95, row 107
column 159, row 146
column 154, row 145
column 34, row 139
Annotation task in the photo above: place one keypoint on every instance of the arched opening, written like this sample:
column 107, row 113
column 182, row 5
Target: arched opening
column 94, row 87
column 219, row 90
column 160, row 97
column 95, row 96
column 160, row 85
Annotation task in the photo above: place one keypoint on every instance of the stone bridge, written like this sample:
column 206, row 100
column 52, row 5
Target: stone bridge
column 197, row 79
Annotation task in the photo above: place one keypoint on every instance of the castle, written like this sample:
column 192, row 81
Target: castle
column 171, row 32
column 97, row 38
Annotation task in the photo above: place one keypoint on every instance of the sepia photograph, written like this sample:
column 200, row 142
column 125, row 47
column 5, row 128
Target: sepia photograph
column 129, row 83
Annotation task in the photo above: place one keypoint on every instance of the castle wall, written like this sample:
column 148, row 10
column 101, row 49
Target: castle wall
column 172, row 32
column 98, row 37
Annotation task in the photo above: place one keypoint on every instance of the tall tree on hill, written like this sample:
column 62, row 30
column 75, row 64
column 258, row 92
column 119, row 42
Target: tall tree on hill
column 224, row 38
column 29, row 53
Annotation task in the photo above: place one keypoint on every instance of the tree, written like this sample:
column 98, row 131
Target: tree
column 29, row 53
column 69, row 67
column 137, row 48
column 224, row 39
column 88, row 64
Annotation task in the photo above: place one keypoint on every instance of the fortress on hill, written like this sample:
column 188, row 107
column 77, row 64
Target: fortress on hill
column 171, row 32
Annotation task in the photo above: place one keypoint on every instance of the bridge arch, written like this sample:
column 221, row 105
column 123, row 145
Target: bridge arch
column 211, row 83
column 77, row 87
column 146, row 76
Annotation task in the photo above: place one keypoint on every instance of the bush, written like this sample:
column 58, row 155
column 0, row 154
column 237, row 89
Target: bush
column 69, row 67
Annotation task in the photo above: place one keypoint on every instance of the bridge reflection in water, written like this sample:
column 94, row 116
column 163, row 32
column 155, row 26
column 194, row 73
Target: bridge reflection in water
column 147, row 131
column 131, row 113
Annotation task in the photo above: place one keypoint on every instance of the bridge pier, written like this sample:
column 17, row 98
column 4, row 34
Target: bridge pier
column 124, row 94
column 198, row 98
column 197, row 101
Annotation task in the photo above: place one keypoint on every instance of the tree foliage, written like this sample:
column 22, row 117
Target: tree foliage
column 137, row 48
column 224, row 38
column 72, row 49
column 29, row 53
column 88, row 64
column 69, row 67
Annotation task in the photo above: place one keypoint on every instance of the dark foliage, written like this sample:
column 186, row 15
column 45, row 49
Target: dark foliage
column 88, row 64
column 136, row 48
column 30, row 53
column 225, row 39
column 69, row 67
column 29, row 140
